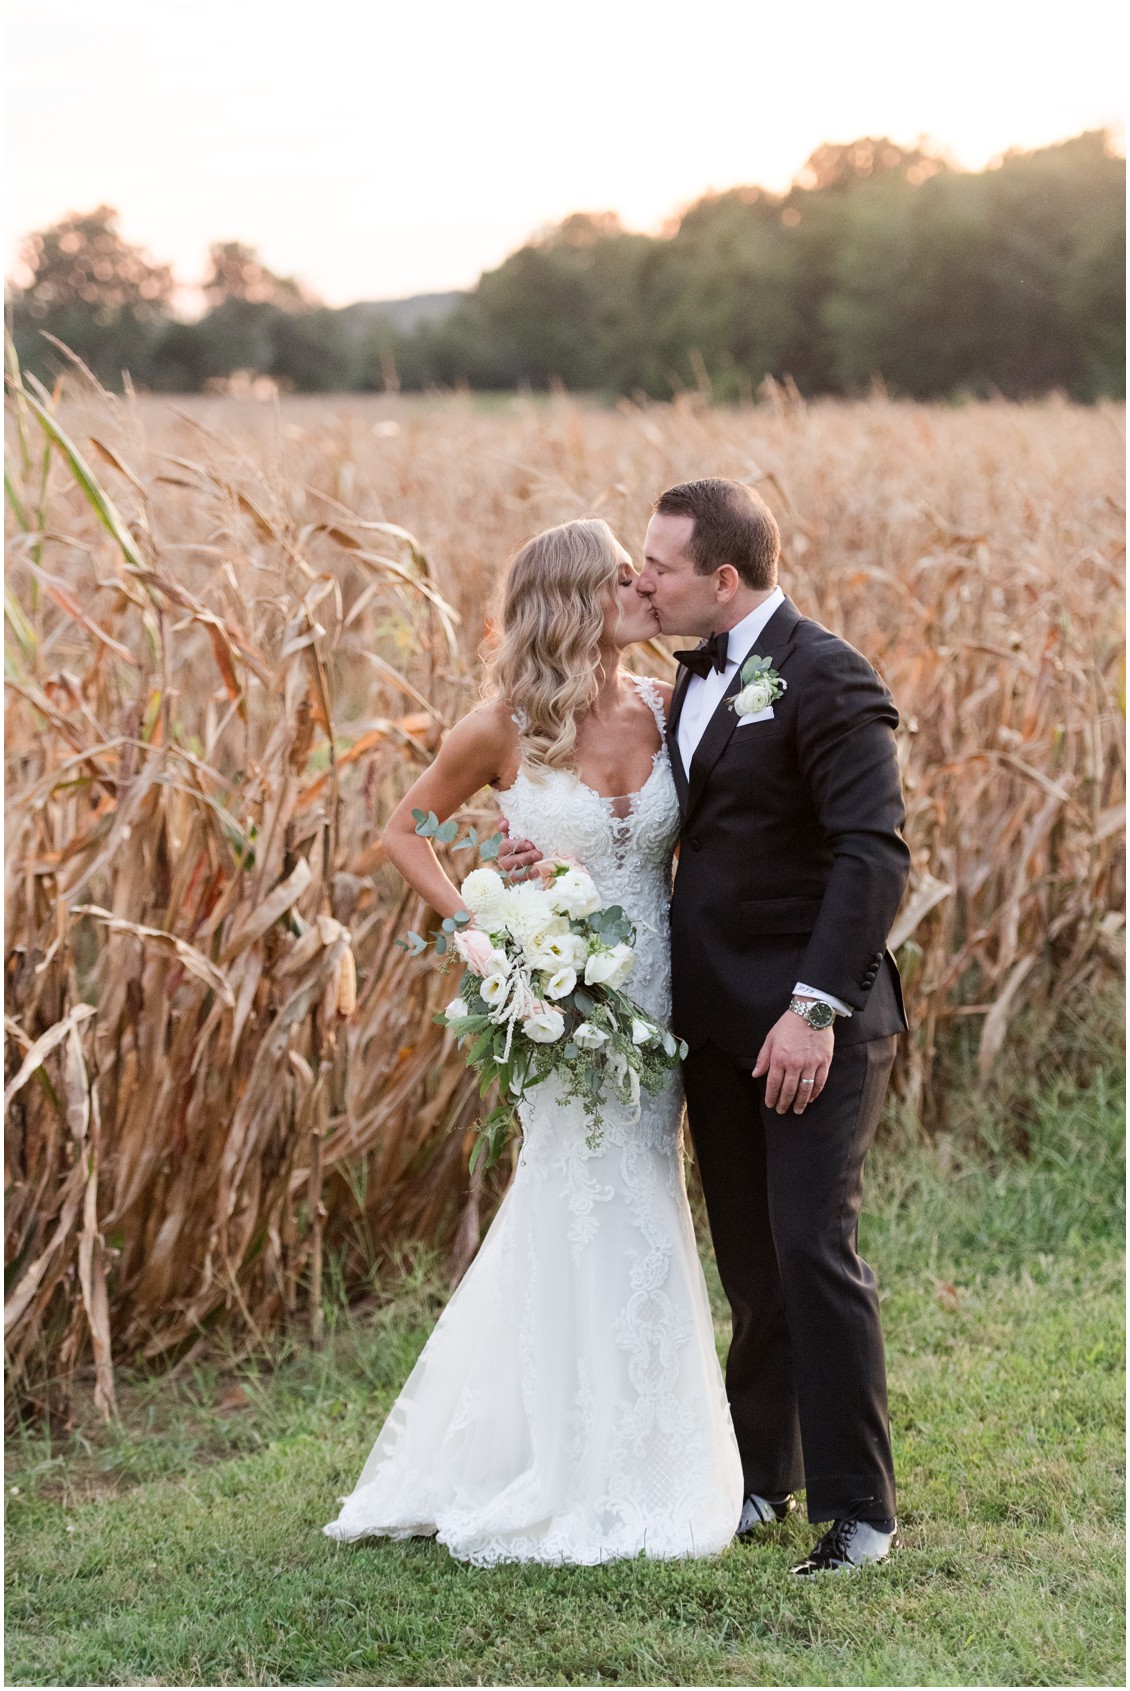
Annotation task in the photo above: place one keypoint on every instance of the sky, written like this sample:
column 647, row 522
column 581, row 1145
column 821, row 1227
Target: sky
column 377, row 150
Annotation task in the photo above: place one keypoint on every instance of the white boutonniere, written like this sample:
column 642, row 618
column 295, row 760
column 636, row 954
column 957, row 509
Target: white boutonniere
column 761, row 687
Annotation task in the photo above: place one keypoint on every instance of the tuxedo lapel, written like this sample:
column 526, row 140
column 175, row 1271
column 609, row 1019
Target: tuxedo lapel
column 677, row 770
column 774, row 642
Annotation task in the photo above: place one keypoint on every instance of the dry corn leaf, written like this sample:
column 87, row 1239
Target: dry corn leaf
column 194, row 961
column 276, row 904
column 45, row 1044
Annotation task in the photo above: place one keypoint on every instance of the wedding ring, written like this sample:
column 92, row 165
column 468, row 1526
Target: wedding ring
column 808, row 1080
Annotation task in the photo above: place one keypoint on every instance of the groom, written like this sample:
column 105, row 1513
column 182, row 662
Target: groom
column 791, row 870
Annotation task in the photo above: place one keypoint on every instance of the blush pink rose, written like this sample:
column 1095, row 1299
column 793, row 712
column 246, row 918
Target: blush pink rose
column 475, row 949
column 547, row 869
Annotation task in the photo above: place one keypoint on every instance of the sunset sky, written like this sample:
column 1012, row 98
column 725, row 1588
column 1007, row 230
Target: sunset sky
column 377, row 150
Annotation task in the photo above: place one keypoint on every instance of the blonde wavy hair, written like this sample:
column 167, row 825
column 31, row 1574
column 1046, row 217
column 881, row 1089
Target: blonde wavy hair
column 552, row 618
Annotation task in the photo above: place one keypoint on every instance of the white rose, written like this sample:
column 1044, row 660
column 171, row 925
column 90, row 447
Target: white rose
column 484, row 894
column 669, row 1043
column 531, row 895
column 541, row 946
column 575, row 893
column 457, row 1010
column 611, row 967
column 642, row 1032
column 757, row 695
column 544, row 1026
column 561, row 983
column 526, row 907
column 589, row 1038
column 625, row 959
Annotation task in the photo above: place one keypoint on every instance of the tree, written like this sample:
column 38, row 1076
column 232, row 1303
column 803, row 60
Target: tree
column 83, row 260
column 86, row 285
column 1008, row 280
column 238, row 273
column 836, row 167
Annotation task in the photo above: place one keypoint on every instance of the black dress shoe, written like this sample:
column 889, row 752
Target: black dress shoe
column 758, row 1512
column 846, row 1544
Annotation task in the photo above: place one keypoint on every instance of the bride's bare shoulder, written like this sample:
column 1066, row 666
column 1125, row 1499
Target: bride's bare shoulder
column 492, row 723
column 485, row 740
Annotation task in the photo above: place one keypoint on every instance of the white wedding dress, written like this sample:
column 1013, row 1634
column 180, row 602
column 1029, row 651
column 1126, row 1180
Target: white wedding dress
column 569, row 1406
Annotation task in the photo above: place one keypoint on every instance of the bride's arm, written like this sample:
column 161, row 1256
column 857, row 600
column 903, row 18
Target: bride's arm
column 482, row 748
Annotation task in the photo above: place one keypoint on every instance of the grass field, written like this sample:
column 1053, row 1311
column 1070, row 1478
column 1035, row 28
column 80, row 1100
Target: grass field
column 184, row 1547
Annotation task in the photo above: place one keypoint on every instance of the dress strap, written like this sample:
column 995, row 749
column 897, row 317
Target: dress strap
column 649, row 693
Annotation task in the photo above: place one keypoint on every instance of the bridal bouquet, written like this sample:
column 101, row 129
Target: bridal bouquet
column 542, row 997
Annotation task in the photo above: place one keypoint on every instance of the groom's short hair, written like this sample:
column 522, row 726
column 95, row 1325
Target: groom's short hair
column 732, row 525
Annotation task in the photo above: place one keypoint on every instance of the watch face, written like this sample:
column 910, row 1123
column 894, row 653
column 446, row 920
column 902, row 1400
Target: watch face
column 821, row 1016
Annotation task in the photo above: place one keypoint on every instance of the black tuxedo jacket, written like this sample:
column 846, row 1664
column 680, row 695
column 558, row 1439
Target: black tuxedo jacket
column 791, row 863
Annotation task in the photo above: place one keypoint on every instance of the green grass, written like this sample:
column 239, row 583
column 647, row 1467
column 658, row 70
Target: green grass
column 185, row 1547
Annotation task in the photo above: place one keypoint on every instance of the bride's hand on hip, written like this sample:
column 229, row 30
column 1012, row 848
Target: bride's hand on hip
column 516, row 858
column 796, row 1060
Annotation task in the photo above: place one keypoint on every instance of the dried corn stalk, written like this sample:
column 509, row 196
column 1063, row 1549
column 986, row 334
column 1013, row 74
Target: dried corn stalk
column 222, row 1073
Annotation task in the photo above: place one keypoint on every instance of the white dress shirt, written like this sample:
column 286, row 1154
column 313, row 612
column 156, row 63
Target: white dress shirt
column 702, row 698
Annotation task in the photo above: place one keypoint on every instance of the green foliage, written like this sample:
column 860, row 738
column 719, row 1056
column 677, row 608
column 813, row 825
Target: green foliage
column 879, row 262
column 429, row 827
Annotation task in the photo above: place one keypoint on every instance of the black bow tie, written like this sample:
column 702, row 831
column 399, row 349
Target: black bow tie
column 711, row 654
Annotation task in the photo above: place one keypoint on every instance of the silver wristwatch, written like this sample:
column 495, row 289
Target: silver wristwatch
column 813, row 1011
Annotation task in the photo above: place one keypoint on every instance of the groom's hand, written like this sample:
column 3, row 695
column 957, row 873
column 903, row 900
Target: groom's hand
column 516, row 858
column 792, row 1054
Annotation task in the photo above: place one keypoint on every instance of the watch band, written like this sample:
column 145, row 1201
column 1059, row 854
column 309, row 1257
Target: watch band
column 815, row 1012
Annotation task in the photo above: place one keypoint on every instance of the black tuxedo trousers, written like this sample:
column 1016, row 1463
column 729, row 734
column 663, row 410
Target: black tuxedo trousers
column 805, row 1375
column 792, row 868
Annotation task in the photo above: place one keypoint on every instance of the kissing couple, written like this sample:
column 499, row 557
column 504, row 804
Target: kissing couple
column 569, row 1406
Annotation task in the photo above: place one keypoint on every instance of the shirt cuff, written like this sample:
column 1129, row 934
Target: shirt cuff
column 837, row 1004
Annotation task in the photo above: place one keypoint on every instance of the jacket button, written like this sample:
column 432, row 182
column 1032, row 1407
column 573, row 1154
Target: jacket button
column 695, row 843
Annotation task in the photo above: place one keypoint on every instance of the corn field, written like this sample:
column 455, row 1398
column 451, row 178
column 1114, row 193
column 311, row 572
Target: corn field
column 237, row 629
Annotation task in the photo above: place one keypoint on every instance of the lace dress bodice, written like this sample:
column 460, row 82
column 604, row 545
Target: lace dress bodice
column 629, row 857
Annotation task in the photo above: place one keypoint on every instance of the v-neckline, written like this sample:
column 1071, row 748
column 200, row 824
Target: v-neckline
column 633, row 798
column 606, row 800
column 602, row 798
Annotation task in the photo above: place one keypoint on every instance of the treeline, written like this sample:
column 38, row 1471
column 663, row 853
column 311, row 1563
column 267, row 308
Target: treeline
column 878, row 262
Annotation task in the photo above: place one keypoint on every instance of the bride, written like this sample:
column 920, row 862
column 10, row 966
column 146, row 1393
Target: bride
column 569, row 1405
